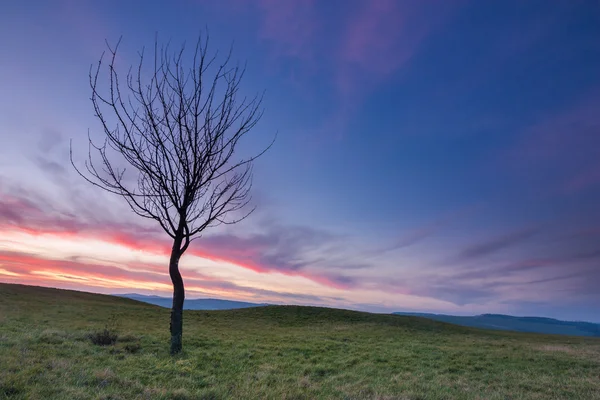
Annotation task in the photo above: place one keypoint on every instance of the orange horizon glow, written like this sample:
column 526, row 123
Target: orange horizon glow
column 42, row 268
column 115, row 263
column 160, row 248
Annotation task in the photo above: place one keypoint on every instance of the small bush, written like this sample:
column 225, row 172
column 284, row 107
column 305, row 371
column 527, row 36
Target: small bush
column 52, row 337
column 9, row 390
column 128, row 338
column 105, row 337
column 132, row 348
column 181, row 394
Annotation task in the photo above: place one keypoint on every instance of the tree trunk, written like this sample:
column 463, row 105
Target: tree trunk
column 178, row 297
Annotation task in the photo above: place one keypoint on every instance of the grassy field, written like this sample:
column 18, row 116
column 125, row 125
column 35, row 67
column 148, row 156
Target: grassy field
column 273, row 352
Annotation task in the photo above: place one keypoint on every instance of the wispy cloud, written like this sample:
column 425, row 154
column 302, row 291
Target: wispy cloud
column 290, row 27
column 428, row 230
column 15, row 210
column 563, row 148
column 380, row 37
column 365, row 44
column 587, row 178
column 491, row 246
column 28, row 268
column 295, row 251
column 570, row 268
column 290, row 250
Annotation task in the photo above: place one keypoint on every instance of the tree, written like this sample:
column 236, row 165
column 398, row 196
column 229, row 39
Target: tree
column 177, row 128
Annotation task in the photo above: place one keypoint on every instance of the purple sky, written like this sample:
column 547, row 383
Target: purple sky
column 431, row 156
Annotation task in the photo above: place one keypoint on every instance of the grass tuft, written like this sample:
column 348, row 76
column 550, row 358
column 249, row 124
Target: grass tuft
column 104, row 337
column 132, row 348
column 9, row 391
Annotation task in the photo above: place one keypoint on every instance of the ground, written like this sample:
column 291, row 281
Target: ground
column 275, row 352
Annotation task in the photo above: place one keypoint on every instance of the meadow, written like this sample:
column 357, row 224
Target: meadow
column 47, row 351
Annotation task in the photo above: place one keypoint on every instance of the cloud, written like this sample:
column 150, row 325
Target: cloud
column 49, row 140
column 570, row 269
column 345, row 52
column 380, row 37
column 314, row 254
column 563, row 147
column 413, row 237
column 34, row 217
column 28, row 268
column 463, row 294
column 483, row 249
column 33, row 267
column 426, row 231
column 554, row 278
column 297, row 251
column 580, row 244
column 290, row 26
column 50, row 166
column 291, row 30
column 290, row 250
column 14, row 210
column 268, row 247
column 587, row 178
column 317, row 255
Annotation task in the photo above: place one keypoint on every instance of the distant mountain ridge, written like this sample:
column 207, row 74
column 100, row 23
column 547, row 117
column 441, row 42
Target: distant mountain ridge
column 518, row 324
column 484, row 321
column 192, row 304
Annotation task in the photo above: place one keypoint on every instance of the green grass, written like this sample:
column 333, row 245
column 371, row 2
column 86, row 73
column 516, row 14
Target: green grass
column 273, row 352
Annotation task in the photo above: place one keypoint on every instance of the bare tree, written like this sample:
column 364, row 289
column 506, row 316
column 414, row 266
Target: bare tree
column 177, row 128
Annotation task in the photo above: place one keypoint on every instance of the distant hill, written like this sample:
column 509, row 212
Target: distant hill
column 192, row 304
column 484, row 321
column 519, row 324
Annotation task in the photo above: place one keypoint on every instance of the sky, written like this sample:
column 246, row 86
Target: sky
column 430, row 156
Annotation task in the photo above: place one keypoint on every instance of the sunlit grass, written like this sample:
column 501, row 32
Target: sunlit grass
column 274, row 353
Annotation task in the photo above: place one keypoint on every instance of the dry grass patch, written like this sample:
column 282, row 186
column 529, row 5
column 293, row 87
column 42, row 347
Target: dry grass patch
column 588, row 352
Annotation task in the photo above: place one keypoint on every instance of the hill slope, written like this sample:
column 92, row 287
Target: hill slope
column 193, row 304
column 273, row 352
column 518, row 324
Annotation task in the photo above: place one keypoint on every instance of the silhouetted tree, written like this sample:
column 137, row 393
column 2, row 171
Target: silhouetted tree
column 178, row 128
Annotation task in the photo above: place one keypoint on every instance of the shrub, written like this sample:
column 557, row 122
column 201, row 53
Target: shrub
column 132, row 348
column 105, row 337
column 128, row 338
column 8, row 390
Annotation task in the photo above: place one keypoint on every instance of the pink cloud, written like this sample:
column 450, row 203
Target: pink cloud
column 381, row 37
column 290, row 26
column 571, row 140
column 573, row 128
column 586, row 179
column 21, row 214
column 428, row 230
column 375, row 43
column 378, row 39
column 361, row 44
column 342, row 49
column 29, row 269
column 14, row 209
column 83, row 21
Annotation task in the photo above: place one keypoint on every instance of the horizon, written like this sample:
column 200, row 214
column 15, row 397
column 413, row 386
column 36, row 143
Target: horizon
column 441, row 161
column 400, row 312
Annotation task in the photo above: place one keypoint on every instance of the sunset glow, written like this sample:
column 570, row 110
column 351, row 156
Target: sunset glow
column 419, row 166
